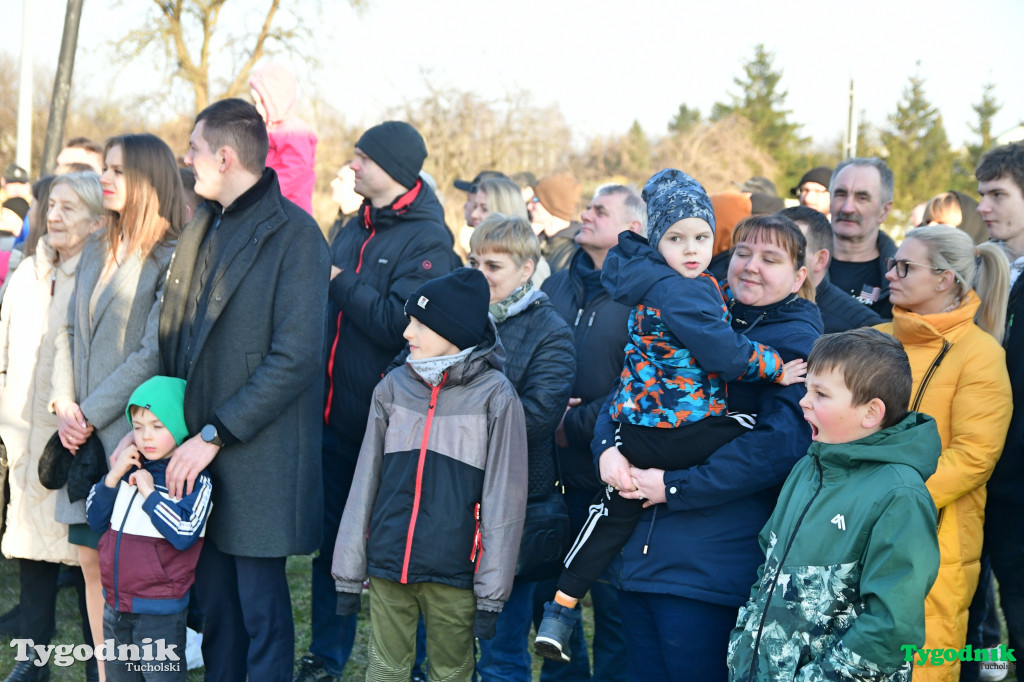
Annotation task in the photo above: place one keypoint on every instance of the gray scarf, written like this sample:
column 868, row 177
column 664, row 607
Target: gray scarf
column 432, row 370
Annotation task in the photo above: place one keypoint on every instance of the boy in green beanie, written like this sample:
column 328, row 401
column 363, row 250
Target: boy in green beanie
column 151, row 541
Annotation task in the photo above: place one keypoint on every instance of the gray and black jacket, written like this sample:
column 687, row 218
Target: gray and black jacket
column 439, row 493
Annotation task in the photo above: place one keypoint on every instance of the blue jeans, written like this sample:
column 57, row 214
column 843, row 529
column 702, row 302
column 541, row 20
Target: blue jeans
column 609, row 645
column 506, row 657
column 333, row 635
column 675, row 639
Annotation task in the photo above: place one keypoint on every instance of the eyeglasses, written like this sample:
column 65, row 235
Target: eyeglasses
column 804, row 189
column 903, row 266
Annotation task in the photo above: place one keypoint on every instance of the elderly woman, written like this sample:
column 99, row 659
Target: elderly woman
column 108, row 345
column 34, row 310
column 949, row 307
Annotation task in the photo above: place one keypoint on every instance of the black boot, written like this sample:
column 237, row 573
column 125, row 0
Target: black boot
column 28, row 671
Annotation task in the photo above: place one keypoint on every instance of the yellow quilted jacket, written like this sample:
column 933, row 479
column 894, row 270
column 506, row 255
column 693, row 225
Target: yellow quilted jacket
column 960, row 379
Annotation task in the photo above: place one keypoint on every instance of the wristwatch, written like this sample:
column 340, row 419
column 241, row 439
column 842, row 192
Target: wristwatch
column 209, row 434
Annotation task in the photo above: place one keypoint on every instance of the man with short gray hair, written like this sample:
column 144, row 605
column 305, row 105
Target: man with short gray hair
column 599, row 326
column 862, row 191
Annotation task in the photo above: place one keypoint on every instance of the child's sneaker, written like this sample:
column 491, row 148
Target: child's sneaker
column 554, row 632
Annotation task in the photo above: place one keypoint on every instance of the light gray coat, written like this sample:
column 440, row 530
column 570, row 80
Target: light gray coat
column 99, row 363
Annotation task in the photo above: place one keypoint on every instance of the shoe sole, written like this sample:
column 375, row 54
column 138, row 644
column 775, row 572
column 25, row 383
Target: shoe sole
column 549, row 648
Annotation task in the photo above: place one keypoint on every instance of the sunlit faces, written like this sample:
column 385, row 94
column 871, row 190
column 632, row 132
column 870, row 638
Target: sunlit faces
column 479, row 209
column 69, row 221
column 115, row 191
column 762, row 273
column 73, row 155
column 152, row 438
column 1002, row 209
column 371, row 180
column 602, row 222
column 857, row 208
column 502, row 274
column 424, row 342
column 205, row 163
column 814, row 195
column 921, row 291
column 828, row 408
column 687, row 246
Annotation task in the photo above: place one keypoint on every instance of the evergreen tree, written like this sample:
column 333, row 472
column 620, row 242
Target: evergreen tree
column 986, row 110
column 917, row 148
column 685, row 120
column 763, row 103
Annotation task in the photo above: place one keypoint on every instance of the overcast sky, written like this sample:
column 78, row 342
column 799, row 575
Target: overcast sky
column 606, row 63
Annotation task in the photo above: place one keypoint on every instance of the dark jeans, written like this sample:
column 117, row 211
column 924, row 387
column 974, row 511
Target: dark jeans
column 983, row 630
column 39, row 600
column 613, row 518
column 333, row 635
column 609, row 646
column 145, row 631
column 1004, row 541
column 248, row 608
column 674, row 639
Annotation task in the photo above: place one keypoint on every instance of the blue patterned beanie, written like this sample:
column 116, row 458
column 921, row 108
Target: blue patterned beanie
column 672, row 195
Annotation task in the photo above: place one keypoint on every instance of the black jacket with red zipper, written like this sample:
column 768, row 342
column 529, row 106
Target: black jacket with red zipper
column 384, row 254
column 439, row 493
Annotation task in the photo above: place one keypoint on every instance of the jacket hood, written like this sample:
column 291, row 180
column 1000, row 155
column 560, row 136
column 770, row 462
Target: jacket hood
column 914, row 441
column 277, row 88
column 633, row 268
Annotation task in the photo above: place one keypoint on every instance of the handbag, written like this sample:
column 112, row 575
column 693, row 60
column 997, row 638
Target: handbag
column 545, row 538
column 58, row 466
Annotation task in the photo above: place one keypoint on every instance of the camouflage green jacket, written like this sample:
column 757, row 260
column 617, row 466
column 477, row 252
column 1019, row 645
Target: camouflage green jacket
column 850, row 553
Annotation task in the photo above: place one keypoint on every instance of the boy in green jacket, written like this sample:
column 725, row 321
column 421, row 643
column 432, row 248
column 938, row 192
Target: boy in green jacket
column 851, row 549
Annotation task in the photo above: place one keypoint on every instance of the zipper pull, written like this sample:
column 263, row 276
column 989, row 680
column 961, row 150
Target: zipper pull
column 578, row 316
column 592, row 316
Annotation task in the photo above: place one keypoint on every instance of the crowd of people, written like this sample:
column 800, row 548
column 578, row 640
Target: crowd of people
column 769, row 443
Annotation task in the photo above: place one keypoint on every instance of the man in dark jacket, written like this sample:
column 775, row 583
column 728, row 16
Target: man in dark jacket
column 862, row 191
column 599, row 332
column 252, row 358
column 839, row 311
column 1001, row 186
column 396, row 242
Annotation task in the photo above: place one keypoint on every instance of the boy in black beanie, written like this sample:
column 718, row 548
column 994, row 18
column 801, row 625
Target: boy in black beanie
column 437, row 505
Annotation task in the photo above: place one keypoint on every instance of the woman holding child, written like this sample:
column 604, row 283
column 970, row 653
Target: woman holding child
column 949, row 305
column 108, row 345
column 689, row 565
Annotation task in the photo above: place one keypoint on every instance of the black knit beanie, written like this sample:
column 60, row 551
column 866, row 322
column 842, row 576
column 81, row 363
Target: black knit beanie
column 396, row 147
column 455, row 306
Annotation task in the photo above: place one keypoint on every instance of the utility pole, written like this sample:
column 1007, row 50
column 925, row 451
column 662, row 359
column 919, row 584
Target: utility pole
column 850, row 144
column 62, row 86
column 23, row 151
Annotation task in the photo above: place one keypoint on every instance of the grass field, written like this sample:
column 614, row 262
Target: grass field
column 68, row 629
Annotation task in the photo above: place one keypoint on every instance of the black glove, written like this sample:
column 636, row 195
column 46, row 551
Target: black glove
column 348, row 603
column 484, row 623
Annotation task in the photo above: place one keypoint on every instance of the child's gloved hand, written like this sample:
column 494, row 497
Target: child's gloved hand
column 484, row 623
column 348, row 603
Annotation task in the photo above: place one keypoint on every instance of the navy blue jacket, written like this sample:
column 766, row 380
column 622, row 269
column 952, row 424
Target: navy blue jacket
column 703, row 543
column 1008, row 477
column 598, row 326
column 840, row 311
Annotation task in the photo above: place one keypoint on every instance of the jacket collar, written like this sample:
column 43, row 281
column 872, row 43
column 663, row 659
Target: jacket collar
column 910, row 327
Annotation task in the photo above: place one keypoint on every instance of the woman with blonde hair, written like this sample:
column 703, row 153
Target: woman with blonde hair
column 949, row 307
column 108, row 345
column 502, row 195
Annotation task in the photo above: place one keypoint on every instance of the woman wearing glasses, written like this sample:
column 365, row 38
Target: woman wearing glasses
column 949, row 307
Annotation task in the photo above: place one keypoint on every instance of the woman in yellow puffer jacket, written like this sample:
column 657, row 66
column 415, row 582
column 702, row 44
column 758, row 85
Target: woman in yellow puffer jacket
column 952, row 335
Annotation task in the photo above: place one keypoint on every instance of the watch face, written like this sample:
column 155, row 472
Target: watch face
column 209, row 433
